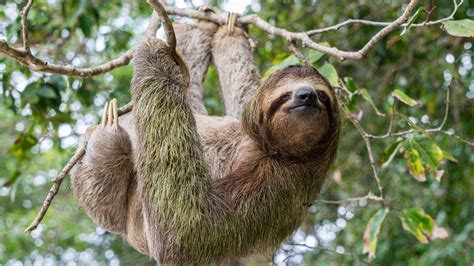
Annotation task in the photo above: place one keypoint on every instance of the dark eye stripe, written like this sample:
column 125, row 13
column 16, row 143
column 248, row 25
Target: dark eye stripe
column 323, row 96
column 277, row 103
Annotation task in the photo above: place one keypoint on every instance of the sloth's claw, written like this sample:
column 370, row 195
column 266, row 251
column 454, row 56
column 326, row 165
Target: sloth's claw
column 115, row 111
column 231, row 21
column 104, row 115
column 110, row 115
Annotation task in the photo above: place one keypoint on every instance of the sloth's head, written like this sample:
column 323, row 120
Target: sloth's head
column 294, row 114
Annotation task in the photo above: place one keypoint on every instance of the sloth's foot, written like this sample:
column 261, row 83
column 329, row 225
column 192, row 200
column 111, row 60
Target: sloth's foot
column 109, row 136
column 109, row 120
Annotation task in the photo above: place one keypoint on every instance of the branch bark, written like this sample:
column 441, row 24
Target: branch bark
column 25, row 57
column 24, row 25
column 37, row 64
column 383, row 24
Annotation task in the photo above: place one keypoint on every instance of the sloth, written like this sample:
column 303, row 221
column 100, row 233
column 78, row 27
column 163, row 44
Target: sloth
column 186, row 188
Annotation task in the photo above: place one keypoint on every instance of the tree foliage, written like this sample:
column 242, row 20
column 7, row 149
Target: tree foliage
column 422, row 164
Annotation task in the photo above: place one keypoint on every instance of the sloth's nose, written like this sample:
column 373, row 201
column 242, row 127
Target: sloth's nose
column 305, row 94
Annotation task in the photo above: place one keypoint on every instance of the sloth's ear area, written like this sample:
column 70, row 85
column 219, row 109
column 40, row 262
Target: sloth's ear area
column 251, row 118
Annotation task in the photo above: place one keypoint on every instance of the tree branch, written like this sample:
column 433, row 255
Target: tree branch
column 368, row 146
column 369, row 196
column 25, row 57
column 383, row 24
column 24, row 25
column 301, row 36
column 55, row 188
column 38, row 64
column 168, row 26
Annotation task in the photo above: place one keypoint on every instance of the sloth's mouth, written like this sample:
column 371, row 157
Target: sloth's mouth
column 303, row 107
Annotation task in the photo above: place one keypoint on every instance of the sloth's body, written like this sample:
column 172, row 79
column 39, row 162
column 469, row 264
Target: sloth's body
column 186, row 188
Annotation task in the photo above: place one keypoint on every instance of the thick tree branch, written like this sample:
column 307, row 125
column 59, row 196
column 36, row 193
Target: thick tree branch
column 25, row 57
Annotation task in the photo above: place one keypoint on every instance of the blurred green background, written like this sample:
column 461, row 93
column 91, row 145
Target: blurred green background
column 42, row 117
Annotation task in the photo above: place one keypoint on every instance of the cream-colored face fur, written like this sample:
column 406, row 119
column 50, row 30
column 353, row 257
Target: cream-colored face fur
column 296, row 126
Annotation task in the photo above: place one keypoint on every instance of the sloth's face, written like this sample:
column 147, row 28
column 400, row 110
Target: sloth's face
column 297, row 114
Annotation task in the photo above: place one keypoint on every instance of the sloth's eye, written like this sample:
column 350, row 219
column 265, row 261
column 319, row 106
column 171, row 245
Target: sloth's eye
column 285, row 97
column 323, row 96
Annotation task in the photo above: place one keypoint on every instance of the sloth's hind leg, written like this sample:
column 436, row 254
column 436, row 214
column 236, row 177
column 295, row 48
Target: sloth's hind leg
column 101, row 179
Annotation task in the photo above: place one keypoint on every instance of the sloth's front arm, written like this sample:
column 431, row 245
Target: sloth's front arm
column 238, row 76
column 101, row 178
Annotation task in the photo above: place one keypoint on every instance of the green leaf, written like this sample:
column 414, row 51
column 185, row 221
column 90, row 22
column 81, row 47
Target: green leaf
column 85, row 24
column 460, row 28
column 418, row 223
column 415, row 167
column 372, row 232
column 22, row 145
column 413, row 19
column 330, row 73
column 430, row 151
column 365, row 94
column 390, row 152
column 350, row 84
column 423, row 154
column 313, row 56
column 404, row 98
column 421, row 225
column 450, row 157
column 290, row 60
column 46, row 92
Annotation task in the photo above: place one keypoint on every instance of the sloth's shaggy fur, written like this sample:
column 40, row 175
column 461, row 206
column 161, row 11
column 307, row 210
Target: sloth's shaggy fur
column 193, row 189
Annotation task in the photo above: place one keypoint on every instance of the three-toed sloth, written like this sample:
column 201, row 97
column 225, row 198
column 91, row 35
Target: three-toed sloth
column 187, row 188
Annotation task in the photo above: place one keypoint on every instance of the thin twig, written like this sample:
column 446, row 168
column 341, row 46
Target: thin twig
column 446, row 108
column 383, row 24
column 369, row 196
column 81, row 150
column 55, row 188
column 392, row 118
column 298, row 53
column 438, row 129
column 368, row 145
column 24, row 25
column 308, row 42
